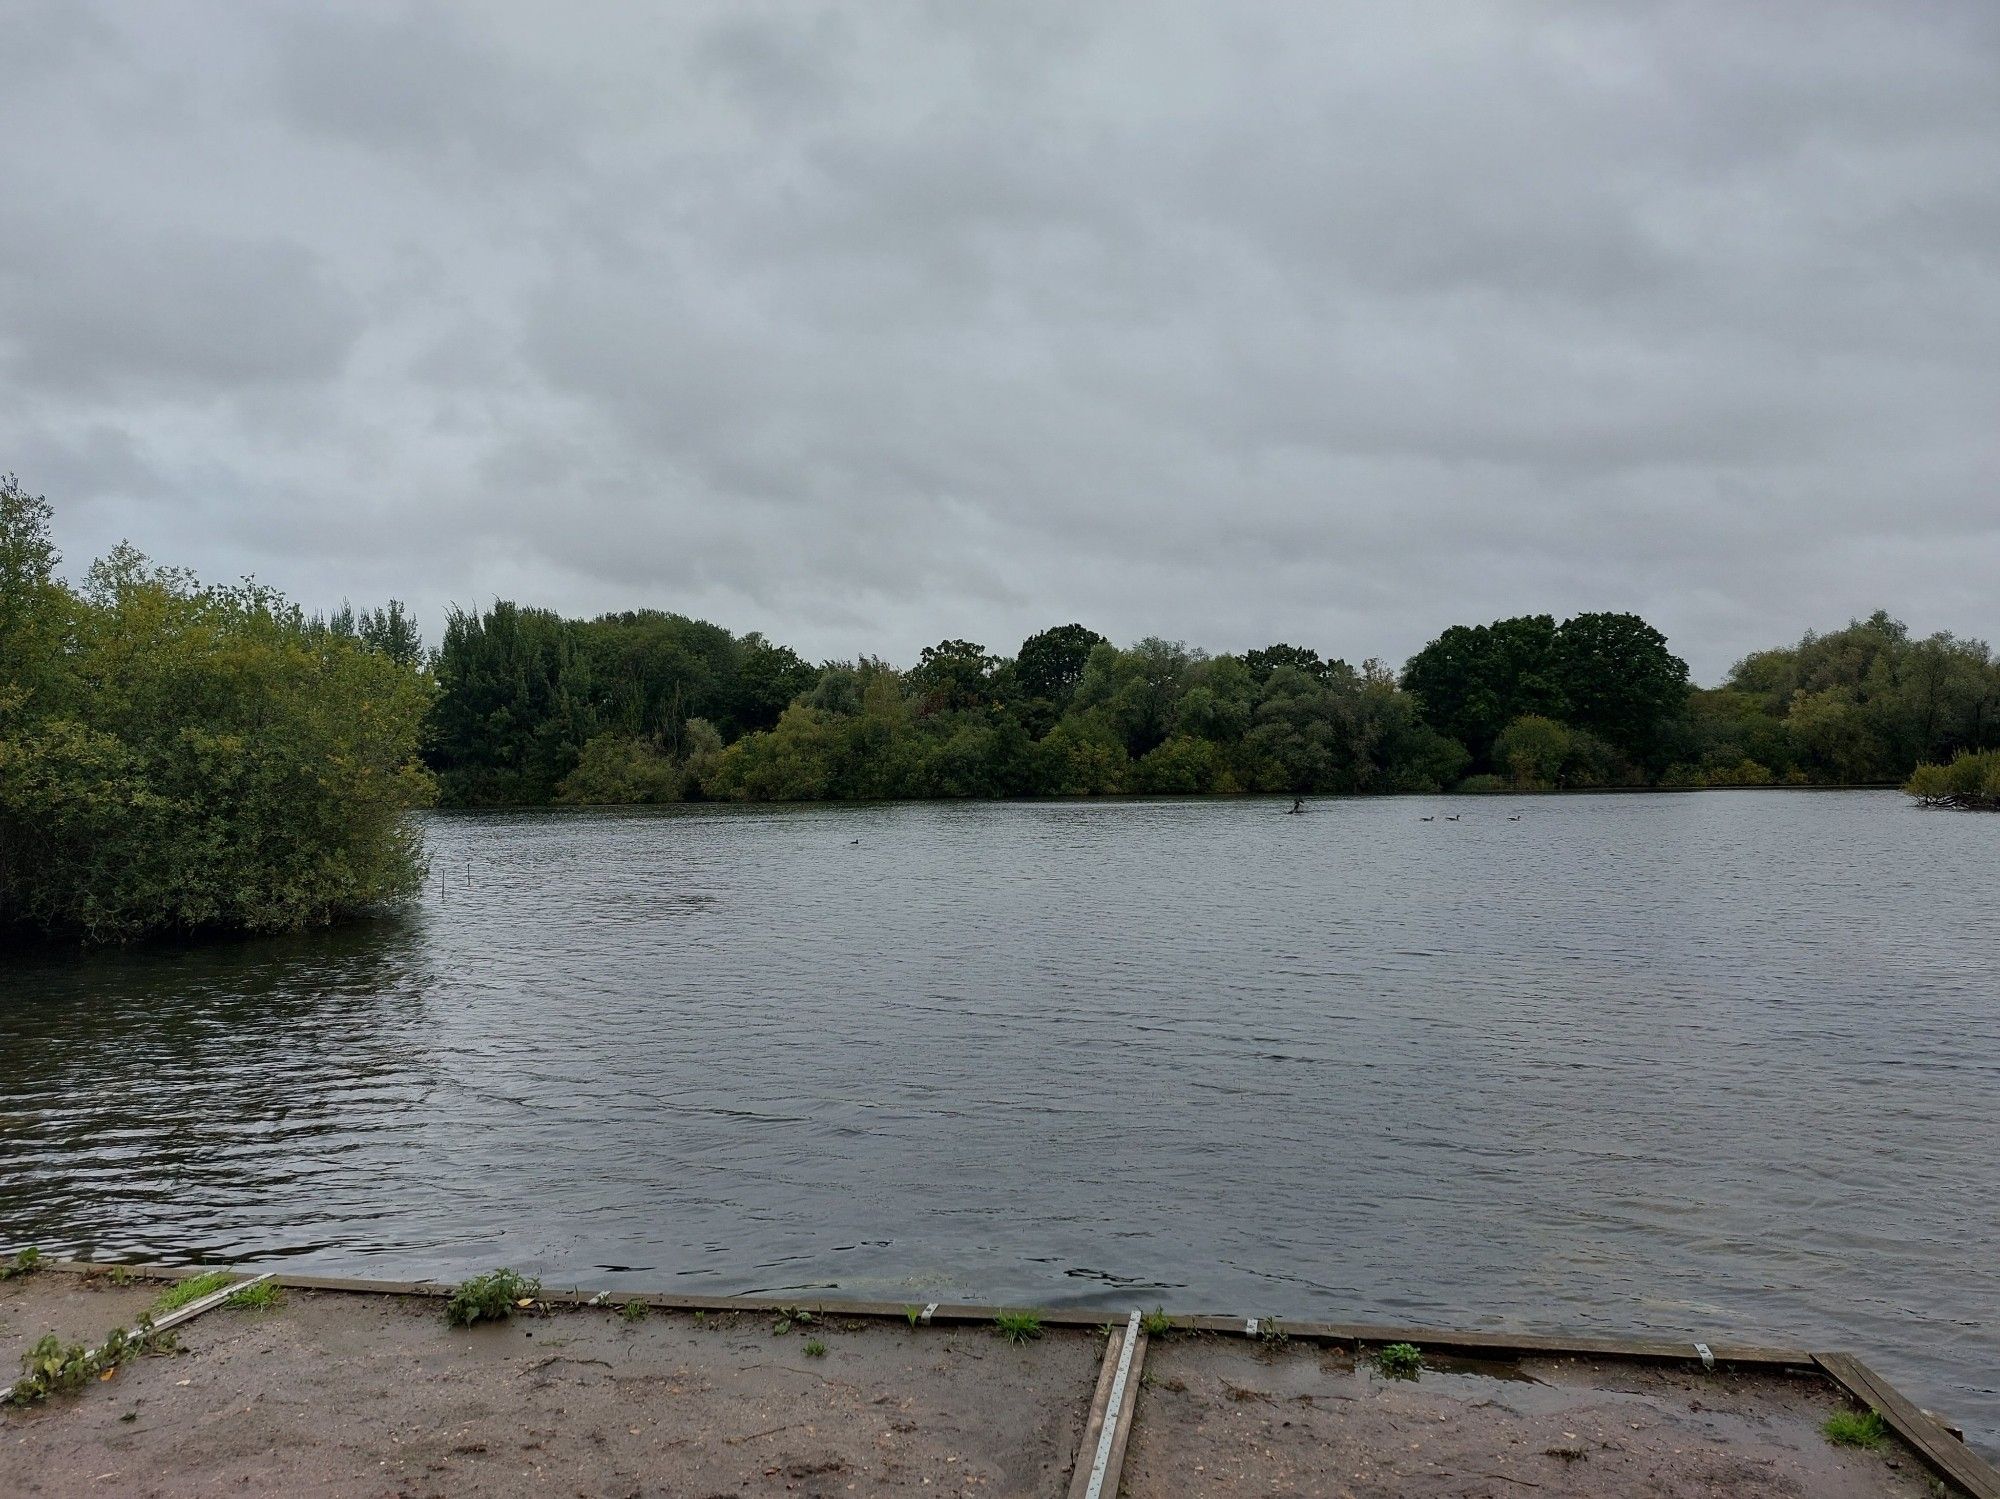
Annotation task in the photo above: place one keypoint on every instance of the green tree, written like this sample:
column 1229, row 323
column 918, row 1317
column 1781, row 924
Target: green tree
column 1051, row 663
column 1182, row 766
column 1616, row 678
column 185, row 759
column 1263, row 662
column 768, row 678
column 1473, row 680
column 953, row 675
column 616, row 770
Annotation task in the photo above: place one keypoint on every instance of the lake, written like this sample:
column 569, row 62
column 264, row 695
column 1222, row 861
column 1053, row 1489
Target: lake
column 1725, row 1064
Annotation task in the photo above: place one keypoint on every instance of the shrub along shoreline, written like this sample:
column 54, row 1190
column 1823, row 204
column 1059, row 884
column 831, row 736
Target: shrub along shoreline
column 179, row 758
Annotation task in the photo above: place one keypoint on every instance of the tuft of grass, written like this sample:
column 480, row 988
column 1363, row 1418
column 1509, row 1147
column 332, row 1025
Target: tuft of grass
column 1856, row 1429
column 181, row 1292
column 265, row 1296
column 913, row 1315
column 1271, row 1333
column 815, row 1348
column 121, row 1275
column 491, row 1297
column 634, row 1310
column 1156, row 1323
column 1400, row 1360
column 1017, row 1327
column 27, row 1262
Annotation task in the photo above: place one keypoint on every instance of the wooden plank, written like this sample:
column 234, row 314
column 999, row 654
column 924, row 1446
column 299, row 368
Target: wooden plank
column 1093, row 1425
column 1443, row 1340
column 1511, row 1344
column 1125, row 1419
column 1946, row 1456
column 1102, row 1452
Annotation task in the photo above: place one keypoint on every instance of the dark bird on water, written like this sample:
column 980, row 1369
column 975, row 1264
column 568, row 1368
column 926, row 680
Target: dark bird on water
column 1431, row 818
column 1453, row 817
column 1298, row 804
column 1514, row 817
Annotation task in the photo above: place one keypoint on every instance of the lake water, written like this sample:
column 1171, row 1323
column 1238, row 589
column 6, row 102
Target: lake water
column 1722, row 1064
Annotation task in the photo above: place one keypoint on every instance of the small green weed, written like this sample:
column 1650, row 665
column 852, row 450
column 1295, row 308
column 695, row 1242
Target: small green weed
column 1400, row 1360
column 815, row 1348
column 1856, row 1429
column 1156, row 1323
column 634, row 1310
column 265, row 1296
column 49, row 1368
column 121, row 1275
column 181, row 1292
column 27, row 1262
column 913, row 1315
column 490, row 1297
column 785, row 1316
column 53, row 1367
column 1271, row 1333
column 1017, row 1327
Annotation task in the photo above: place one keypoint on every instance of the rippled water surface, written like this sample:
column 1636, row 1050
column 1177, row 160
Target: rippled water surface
column 1726, row 1064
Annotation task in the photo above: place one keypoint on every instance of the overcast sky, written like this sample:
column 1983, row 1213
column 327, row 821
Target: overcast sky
column 875, row 324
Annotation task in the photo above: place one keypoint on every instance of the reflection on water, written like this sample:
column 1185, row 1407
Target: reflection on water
column 1725, row 1064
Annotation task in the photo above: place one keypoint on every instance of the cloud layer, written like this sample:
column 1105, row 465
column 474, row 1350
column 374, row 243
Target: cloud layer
column 870, row 325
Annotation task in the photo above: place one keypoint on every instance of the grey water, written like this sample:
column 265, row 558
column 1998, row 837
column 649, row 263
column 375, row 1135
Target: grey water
column 1722, row 1065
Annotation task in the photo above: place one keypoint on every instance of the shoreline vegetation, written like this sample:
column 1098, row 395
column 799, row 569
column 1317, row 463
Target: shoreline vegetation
column 179, row 758
column 1971, row 782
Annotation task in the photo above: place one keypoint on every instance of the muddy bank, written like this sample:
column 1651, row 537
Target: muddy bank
column 351, row 1393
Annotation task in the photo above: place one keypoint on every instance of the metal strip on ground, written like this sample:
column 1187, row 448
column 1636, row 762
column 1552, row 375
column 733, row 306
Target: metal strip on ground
column 177, row 1316
column 1114, row 1405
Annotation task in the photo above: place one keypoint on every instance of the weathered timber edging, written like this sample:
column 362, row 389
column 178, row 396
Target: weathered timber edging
column 1927, row 1437
column 1443, row 1340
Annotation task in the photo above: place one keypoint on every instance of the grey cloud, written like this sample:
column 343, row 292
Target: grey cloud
column 870, row 325
column 92, row 305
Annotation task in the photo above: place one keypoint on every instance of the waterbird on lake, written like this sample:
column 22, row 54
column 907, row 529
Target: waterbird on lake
column 1453, row 817
column 1431, row 818
column 1514, row 817
column 1298, row 804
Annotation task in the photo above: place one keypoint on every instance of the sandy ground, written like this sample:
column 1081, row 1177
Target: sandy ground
column 1228, row 1417
column 339, row 1394
column 79, row 1308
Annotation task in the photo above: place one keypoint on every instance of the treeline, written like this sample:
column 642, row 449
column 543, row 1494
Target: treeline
column 653, row 707
column 182, row 758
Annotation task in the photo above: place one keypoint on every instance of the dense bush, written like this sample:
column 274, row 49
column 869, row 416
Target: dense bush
column 1970, row 780
column 179, row 758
